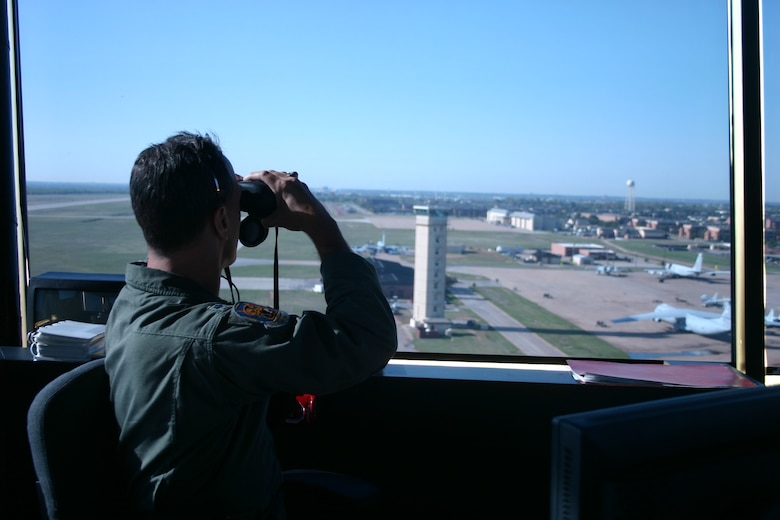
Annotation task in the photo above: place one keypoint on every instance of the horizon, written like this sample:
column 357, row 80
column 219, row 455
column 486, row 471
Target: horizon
column 123, row 187
column 561, row 98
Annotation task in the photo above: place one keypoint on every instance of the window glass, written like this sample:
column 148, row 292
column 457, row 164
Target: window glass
column 771, row 47
column 572, row 156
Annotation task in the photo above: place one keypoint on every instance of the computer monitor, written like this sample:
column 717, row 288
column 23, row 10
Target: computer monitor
column 57, row 296
column 709, row 455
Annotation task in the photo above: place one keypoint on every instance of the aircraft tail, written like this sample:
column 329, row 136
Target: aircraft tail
column 699, row 260
column 726, row 311
column 713, row 300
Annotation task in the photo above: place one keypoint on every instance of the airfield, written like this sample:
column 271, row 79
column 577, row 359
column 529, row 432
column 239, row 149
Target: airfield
column 577, row 294
column 586, row 299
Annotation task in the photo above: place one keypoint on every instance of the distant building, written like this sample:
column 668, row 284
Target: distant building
column 543, row 257
column 598, row 254
column 717, row 234
column 498, row 216
column 524, row 220
column 579, row 259
column 692, row 231
column 573, row 224
column 647, row 232
column 612, row 217
column 533, row 221
column 663, row 225
column 396, row 279
column 568, row 249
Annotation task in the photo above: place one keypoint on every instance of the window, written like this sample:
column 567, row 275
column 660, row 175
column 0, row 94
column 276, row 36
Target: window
column 606, row 125
column 771, row 49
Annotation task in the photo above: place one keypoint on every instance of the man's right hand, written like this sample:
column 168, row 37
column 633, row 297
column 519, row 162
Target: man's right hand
column 297, row 209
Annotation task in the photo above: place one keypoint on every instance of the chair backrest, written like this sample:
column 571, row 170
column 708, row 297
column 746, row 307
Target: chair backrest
column 73, row 437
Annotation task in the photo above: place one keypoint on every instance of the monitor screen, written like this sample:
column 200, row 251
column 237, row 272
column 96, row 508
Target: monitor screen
column 57, row 296
column 710, row 455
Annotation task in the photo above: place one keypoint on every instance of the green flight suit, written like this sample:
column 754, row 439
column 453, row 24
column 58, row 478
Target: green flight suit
column 192, row 375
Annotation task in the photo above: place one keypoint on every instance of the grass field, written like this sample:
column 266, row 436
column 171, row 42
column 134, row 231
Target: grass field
column 569, row 338
column 103, row 237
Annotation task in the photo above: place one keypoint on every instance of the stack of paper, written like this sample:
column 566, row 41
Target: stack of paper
column 68, row 341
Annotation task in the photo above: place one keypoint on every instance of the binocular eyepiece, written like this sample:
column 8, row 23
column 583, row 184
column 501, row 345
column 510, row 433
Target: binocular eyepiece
column 258, row 201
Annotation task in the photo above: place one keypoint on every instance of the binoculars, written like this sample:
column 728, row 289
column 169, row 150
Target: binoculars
column 258, row 201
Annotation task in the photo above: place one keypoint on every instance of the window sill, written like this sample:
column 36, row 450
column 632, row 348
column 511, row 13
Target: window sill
column 479, row 371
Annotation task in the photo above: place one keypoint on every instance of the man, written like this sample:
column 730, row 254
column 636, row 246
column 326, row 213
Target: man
column 191, row 374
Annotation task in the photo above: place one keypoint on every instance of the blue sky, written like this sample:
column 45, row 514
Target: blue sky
column 562, row 97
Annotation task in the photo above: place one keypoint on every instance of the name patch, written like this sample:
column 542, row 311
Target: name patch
column 268, row 317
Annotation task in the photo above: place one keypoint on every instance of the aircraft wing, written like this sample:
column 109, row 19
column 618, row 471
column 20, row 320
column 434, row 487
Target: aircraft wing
column 713, row 273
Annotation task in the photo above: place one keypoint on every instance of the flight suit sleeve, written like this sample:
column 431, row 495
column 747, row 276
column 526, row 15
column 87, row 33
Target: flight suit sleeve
column 317, row 353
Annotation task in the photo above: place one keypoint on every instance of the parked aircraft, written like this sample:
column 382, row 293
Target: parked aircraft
column 671, row 270
column 370, row 249
column 770, row 320
column 379, row 247
column 714, row 301
column 689, row 320
column 610, row 270
column 509, row 251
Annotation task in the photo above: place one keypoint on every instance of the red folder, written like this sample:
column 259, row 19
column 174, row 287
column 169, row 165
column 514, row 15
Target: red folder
column 699, row 375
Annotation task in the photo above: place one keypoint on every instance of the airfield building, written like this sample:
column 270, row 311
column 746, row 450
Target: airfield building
column 524, row 220
column 498, row 216
column 397, row 280
column 648, row 232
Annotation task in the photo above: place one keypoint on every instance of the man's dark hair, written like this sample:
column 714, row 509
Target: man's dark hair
column 175, row 186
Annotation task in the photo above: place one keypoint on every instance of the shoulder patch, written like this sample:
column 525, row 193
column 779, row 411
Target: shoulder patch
column 268, row 317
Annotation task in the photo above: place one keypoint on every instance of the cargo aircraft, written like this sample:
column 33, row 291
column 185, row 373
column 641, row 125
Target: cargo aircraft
column 689, row 320
column 671, row 270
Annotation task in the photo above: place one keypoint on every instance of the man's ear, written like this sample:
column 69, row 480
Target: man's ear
column 220, row 222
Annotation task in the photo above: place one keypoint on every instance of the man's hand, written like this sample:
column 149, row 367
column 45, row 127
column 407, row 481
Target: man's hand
column 297, row 209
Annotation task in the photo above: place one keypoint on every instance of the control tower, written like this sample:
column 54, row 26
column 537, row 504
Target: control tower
column 430, row 266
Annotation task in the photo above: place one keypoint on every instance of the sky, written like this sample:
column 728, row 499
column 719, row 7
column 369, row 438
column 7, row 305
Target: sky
column 562, row 97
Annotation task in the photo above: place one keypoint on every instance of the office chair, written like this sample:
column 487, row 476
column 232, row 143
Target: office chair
column 73, row 438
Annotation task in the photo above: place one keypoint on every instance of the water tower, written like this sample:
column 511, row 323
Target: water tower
column 630, row 196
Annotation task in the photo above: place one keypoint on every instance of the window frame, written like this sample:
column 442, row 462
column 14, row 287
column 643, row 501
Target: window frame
column 746, row 112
